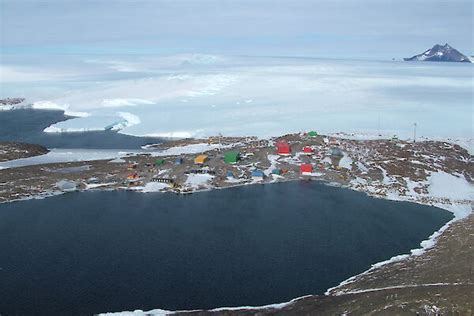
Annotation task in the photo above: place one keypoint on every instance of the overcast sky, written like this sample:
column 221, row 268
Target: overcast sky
column 342, row 29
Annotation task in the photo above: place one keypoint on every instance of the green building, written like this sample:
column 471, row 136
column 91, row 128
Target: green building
column 312, row 134
column 159, row 162
column 231, row 157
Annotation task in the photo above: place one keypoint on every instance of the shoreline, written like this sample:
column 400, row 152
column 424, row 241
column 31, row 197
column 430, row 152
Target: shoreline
column 10, row 151
column 382, row 185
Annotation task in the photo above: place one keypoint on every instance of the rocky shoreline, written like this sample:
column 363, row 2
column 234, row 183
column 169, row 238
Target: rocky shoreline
column 430, row 281
column 14, row 150
column 383, row 168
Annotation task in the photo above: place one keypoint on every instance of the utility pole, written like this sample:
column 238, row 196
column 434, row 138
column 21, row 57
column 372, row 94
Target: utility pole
column 220, row 135
column 378, row 124
column 414, row 133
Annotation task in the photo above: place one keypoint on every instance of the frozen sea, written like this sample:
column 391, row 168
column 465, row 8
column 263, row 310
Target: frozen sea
column 192, row 95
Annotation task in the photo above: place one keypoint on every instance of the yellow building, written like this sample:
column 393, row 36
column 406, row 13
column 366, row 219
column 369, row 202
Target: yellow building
column 201, row 159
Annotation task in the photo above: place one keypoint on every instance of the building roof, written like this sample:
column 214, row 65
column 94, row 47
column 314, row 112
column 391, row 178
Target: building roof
column 283, row 147
column 282, row 143
column 200, row 159
column 231, row 156
column 257, row 173
column 306, row 167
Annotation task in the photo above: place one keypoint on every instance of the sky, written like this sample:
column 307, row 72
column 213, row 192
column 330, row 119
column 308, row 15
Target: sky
column 364, row 29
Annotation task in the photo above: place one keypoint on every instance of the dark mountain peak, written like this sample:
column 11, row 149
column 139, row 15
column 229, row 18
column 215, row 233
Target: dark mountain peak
column 440, row 53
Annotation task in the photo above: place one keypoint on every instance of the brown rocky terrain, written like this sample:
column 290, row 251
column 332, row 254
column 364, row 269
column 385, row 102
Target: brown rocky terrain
column 12, row 150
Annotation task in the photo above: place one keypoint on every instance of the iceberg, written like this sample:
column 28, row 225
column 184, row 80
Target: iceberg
column 115, row 122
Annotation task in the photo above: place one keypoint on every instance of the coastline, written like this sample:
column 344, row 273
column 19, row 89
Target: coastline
column 16, row 150
column 333, row 175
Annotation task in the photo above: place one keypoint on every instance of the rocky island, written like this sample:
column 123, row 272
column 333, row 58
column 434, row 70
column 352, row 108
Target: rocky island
column 440, row 53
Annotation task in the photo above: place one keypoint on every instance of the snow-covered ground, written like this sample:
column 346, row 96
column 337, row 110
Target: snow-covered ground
column 445, row 185
column 202, row 95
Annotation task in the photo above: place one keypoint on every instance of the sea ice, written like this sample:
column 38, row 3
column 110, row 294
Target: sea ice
column 190, row 96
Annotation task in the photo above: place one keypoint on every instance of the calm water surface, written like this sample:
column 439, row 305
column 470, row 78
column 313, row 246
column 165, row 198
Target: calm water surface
column 84, row 253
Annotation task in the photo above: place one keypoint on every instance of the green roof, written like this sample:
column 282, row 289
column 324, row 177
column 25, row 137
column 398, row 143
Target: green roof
column 312, row 134
column 159, row 161
column 231, row 156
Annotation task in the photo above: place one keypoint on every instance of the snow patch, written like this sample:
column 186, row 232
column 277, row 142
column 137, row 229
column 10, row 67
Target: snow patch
column 90, row 186
column 345, row 162
column 198, row 180
column 273, row 163
column 155, row 187
column 445, row 185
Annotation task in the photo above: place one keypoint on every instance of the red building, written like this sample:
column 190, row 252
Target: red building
column 308, row 150
column 306, row 168
column 283, row 148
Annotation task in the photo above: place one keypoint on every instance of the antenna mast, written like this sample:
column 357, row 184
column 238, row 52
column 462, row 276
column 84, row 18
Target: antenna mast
column 414, row 132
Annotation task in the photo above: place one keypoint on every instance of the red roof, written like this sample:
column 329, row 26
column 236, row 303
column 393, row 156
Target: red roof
column 283, row 148
column 307, row 150
column 306, row 167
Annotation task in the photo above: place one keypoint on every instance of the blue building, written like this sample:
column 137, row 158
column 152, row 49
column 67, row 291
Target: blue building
column 257, row 173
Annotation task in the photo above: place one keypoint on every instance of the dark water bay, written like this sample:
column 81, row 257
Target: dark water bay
column 27, row 125
column 84, row 253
